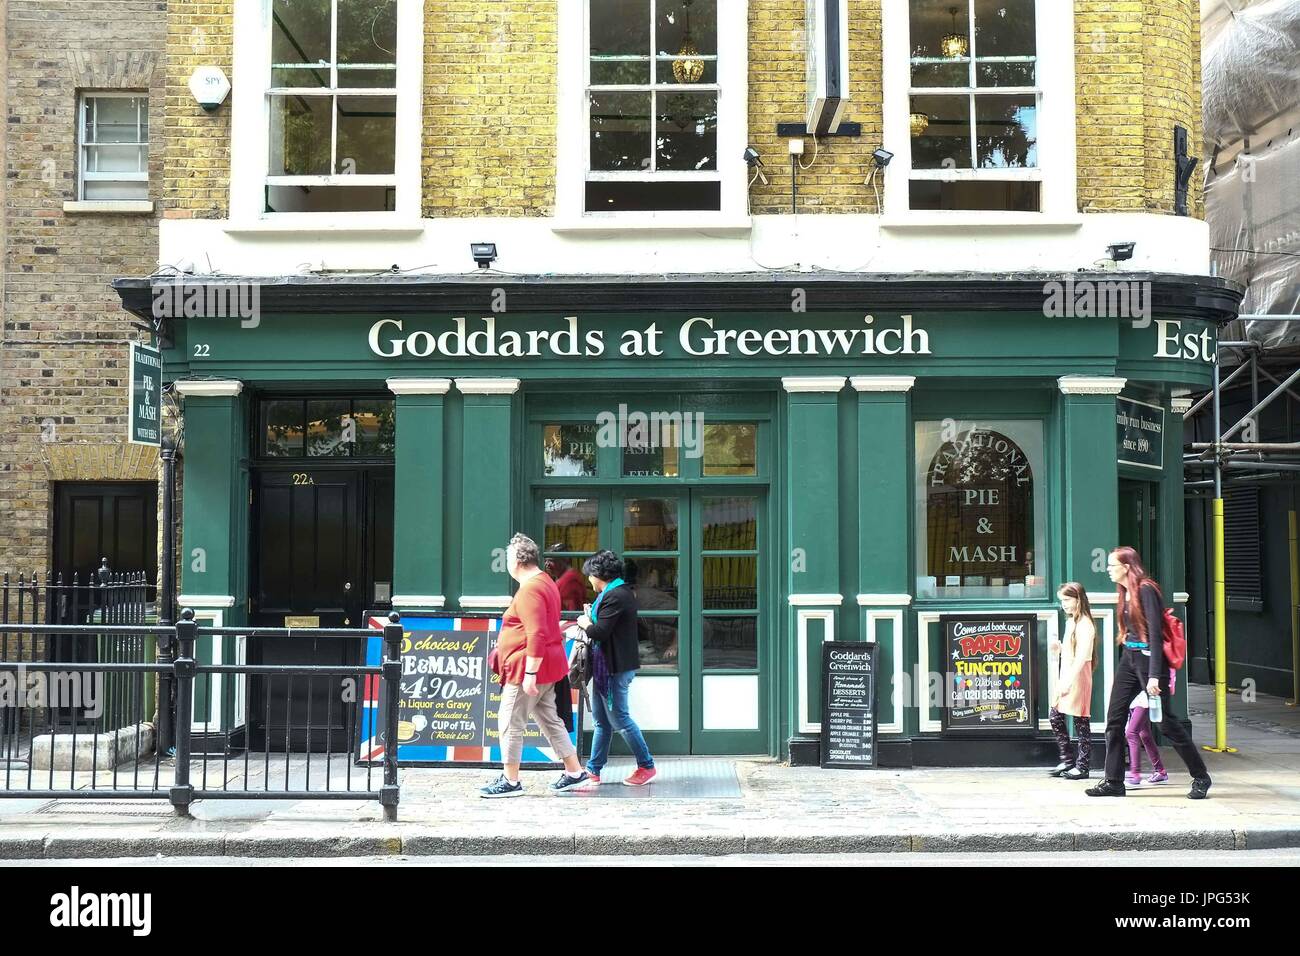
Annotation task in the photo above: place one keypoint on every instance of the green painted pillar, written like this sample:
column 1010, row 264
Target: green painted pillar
column 420, row 495
column 813, row 520
column 215, row 496
column 1090, row 479
column 213, row 543
column 885, row 531
column 487, row 471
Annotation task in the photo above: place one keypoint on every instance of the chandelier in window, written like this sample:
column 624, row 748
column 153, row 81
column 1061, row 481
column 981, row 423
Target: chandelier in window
column 954, row 44
column 688, row 67
column 919, row 123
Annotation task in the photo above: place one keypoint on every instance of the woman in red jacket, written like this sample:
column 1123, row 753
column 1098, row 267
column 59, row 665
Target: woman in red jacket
column 530, row 655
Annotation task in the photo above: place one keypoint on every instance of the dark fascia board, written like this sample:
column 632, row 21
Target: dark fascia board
column 1209, row 298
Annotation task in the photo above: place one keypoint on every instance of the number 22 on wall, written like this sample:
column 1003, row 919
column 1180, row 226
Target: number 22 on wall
column 202, row 350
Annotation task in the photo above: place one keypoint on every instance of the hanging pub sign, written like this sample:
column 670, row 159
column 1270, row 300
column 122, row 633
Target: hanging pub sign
column 1140, row 433
column 990, row 673
column 145, row 395
column 848, row 705
column 447, row 713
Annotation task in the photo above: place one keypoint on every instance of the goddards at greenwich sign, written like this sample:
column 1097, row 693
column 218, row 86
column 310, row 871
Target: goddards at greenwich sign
column 699, row 336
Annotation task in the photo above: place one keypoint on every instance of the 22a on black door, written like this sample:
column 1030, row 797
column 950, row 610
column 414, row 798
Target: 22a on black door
column 308, row 570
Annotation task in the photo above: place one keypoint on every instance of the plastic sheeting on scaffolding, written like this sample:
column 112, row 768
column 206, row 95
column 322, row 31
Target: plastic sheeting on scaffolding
column 1251, row 95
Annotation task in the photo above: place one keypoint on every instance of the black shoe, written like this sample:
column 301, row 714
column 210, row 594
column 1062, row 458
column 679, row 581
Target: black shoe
column 1106, row 789
column 501, row 787
column 1074, row 773
column 571, row 783
column 1060, row 768
column 1200, row 788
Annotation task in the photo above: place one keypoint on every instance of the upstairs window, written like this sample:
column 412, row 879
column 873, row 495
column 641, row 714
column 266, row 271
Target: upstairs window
column 332, row 106
column 974, row 96
column 652, row 94
column 114, row 148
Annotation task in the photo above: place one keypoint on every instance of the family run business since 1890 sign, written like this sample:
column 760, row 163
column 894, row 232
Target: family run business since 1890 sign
column 1140, row 433
column 990, row 686
column 449, row 699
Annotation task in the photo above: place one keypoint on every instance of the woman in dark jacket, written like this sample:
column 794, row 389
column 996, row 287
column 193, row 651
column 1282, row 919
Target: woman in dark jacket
column 613, row 630
column 1139, row 617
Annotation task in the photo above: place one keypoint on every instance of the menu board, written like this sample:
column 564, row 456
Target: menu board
column 848, row 704
column 989, row 673
column 447, row 711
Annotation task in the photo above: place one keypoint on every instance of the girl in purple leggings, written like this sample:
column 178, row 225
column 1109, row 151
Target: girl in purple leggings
column 1138, row 732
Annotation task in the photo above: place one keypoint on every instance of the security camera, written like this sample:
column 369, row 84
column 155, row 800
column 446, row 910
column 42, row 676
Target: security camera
column 1121, row 251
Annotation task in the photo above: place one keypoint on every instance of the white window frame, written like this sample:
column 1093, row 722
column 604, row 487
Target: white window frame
column 573, row 157
column 251, row 116
column 1056, row 169
column 84, row 174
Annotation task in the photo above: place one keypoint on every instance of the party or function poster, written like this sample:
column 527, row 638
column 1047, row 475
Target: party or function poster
column 989, row 673
column 447, row 712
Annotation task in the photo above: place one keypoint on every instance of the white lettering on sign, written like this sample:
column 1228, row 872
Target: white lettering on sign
column 1172, row 342
column 389, row 338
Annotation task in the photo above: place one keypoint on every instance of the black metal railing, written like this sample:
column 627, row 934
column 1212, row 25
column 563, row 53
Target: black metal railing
column 340, row 754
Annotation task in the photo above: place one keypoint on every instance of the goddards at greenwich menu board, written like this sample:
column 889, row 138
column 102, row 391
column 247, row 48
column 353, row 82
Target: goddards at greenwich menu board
column 990, row 685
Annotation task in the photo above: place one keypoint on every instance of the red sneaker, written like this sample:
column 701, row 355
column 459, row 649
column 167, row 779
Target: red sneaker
column 642, row 776
column 593, row 779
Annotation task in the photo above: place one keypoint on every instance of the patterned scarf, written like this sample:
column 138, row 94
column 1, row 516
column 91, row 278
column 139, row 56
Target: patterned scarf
column 599, row 666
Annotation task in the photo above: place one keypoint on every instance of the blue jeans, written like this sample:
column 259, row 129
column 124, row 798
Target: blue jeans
column 618, row 719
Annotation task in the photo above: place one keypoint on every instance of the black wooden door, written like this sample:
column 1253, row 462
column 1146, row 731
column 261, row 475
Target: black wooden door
column 307, row 563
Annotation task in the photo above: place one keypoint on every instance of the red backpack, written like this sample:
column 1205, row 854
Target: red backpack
column 1175, row 640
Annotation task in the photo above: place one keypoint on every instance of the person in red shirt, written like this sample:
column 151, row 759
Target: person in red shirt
column 530, row 658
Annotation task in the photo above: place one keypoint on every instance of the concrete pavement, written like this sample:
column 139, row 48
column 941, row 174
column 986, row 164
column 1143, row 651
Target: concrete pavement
column 768, row 809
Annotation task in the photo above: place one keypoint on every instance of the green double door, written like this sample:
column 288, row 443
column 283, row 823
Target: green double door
column 694, row 556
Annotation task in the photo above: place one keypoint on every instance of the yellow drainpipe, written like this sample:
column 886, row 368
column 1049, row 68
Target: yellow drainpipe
column 1295, row 613
column 1220, row 638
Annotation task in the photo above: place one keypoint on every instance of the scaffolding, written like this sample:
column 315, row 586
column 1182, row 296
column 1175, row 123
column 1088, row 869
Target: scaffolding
column 1251, row 100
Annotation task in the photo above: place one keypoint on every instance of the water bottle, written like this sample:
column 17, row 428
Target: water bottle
column 1155, row 713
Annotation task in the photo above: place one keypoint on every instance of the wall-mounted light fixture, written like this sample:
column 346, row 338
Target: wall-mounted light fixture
column 484, row 253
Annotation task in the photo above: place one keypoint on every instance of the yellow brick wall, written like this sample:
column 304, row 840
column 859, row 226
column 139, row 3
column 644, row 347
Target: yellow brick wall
column 488, row 142
column 836, row 181
column 196, row 182
column 1137, row 74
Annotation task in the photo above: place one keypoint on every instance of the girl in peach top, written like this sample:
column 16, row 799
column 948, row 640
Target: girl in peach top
column 1073, row 694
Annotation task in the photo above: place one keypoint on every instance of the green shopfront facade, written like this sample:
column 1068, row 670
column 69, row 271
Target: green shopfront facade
column 784, row 459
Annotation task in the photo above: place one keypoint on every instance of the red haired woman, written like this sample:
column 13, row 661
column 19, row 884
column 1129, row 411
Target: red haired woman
column 1140, row 615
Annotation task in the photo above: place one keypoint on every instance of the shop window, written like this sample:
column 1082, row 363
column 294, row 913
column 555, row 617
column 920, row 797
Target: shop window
column 569, row 450
column 652, row 97
column 980, row 515
column 114, row 148
column 653, row 452
column 327, row 428
column 730, row 449
column 974, row 105
column 333, row 106
column 1243, row 551
column 730, row 583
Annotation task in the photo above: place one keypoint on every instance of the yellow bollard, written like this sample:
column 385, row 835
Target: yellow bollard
column 1220, row 639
